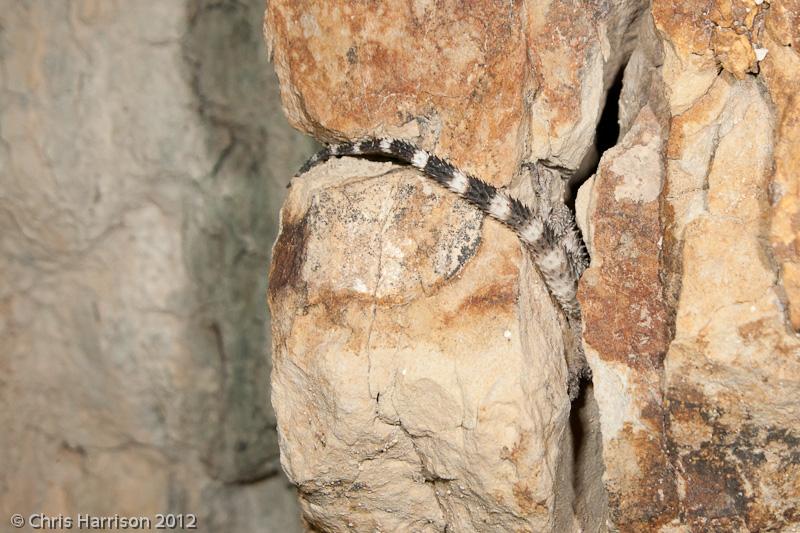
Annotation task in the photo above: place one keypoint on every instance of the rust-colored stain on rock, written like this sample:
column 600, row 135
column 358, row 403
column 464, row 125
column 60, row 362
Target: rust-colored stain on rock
column 288, row 255
column 458, row 75
column 624, row 310
column 628, row 324
column 641, row 484
column 486, row 300
column 523, row 495
column 685, row 23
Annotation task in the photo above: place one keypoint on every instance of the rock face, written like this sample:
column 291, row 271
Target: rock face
column 418, row 378
column 487, row 83
column 419, row 375
column 696, row 374
column 141, row 170
column 627, row 320
column 404, row 365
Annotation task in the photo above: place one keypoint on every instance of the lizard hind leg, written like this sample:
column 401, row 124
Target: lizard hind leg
column 578, row 370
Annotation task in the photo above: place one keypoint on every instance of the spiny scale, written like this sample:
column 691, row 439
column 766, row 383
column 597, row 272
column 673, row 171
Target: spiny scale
column 557, row 250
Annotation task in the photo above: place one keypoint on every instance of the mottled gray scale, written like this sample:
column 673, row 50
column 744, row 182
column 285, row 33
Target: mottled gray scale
column 344, row 149
column 520, row 215
column 480, row 193
column 370, row 146
column 440, row 170
column 403, row 150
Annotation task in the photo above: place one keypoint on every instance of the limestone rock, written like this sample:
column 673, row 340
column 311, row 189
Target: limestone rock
column 412, row 390
column 733, row 365
column 696, row 371
column 691, row 305
column 487, row 83
column 428, row 69
column 781, row 73
column 626, row 322
column 410, row 339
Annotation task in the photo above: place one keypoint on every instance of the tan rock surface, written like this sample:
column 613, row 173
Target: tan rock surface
column 450, row 73
column 691, row 302
column 626, row 324
column 718, row 413
column 486, row 82
column 412, row 392
column 576, row 51
column 467, row 430
column 781, row 73
column 733, row 368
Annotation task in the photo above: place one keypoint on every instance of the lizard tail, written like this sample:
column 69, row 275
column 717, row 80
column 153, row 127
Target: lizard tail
column 550, row 255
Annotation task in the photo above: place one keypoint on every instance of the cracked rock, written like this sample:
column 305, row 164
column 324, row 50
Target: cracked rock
column 412, row 390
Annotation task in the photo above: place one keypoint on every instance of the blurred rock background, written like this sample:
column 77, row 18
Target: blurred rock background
column 143, row 159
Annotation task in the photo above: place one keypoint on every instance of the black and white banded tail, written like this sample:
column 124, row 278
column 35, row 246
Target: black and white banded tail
column 556, row 248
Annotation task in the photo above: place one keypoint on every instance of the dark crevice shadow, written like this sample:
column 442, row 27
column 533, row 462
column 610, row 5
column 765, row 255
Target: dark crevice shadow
column 606, row 136
column 576, row 425
column 607, row 133
column 590, row 498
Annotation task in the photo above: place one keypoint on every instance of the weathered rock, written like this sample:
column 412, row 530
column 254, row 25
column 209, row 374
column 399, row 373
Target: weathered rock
column 576, row 51
column 780, row 69
column 433, row 71
column 413, row 389
column 697, row 370
column 487, row 83
column 692, row 301
column 733, row 367
column 369, row 346
column 627, row 323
